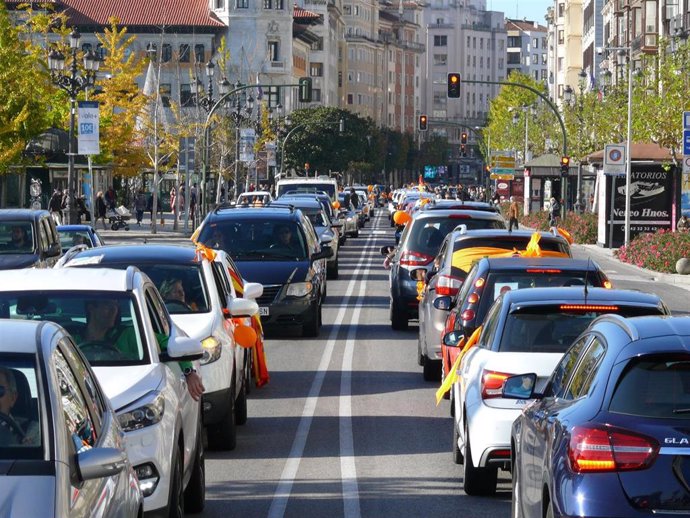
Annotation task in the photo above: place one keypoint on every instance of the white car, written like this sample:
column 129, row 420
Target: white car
column 254, row 198
column 204, row 309
column 121, row 324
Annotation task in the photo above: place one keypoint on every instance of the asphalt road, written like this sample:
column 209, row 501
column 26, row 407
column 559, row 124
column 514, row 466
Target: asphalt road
column 347, row 427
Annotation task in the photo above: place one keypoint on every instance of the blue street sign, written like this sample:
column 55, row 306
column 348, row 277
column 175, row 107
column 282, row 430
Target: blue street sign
column 686, row 142
column 686, row 120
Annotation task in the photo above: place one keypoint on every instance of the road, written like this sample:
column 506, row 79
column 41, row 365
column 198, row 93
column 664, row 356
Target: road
column 347, row 427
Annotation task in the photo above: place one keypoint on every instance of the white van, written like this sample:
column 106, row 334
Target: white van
column 308, row 185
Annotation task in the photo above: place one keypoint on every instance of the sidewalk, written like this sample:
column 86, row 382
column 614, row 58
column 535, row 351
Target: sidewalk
column 164, row 231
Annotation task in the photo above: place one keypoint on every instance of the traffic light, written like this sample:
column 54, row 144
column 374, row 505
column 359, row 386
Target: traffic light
column 463, row 137
column 423, row 123
column 463, row 150
column 565, row 165
column 454, row 85
column 304, row 89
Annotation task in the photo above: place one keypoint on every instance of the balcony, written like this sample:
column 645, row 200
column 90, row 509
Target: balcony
column 440, row 26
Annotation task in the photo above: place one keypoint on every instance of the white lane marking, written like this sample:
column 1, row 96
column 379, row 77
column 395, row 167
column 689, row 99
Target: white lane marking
column 287, row 477
column 348, row 469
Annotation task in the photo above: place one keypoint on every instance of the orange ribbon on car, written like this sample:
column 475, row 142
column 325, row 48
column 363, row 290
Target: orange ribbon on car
column 453, row 373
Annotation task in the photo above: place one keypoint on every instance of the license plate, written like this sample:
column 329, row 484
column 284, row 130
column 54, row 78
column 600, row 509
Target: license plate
column 263, row 310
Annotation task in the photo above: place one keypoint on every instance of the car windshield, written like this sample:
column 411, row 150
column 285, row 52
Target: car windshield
column 426, row 235
column 316, row 216
column 20, row 418
column 550, row 329
column 656, row 386
column 310, row 187
column 105, row 325
column 252, row 240
column 182, row 286
column 70, row 238
column 16, row 237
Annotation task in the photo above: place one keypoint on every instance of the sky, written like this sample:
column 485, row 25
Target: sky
column 533, row 10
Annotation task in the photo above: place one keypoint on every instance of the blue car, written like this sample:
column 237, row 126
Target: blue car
column 72, row 235
column 610, row 433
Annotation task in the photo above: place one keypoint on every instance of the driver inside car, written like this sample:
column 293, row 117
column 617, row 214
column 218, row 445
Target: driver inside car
column 14, row 431
column 103, row 325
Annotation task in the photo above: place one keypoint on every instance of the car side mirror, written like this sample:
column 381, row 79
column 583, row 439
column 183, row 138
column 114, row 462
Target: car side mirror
column 100, row 463
column 326, row 239
column 336, row 224
column 181, row 348
column 243, row 308
column 418, row 274
column 444, row 303
column 453, row 338
column 325, row 253
column 54, row 250
column 520, row 386
column 253, row 290
column 387, row 249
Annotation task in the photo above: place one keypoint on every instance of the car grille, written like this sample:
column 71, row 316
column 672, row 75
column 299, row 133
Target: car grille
column 269, row 294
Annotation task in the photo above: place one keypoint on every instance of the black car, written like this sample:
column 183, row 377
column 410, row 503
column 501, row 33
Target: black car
column 277, row 247
column 608, row 435
column 419, row 245
column 28, row 239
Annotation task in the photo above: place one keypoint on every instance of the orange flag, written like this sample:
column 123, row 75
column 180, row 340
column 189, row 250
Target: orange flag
column 453, row 373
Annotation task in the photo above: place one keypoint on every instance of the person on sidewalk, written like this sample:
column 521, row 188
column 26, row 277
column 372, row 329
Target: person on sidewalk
column 100, row 209
column 683, row 224
column 55, row 206
column 140, row 206
column 554, row 212
column 513, row 212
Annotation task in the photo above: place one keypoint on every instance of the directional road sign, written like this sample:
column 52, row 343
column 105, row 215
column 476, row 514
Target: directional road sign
column 686, row 141
column 686, row 120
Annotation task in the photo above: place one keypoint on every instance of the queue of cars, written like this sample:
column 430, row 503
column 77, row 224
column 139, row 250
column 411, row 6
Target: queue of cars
column 581, row 391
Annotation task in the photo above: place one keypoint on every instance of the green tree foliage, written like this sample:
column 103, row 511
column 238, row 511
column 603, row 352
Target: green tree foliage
column 433, row 151
column 23, row 97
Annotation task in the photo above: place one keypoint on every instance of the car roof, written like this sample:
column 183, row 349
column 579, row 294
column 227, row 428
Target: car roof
column 25, row 214
column 520, row 263
column 577, row 295
column 459, row 204
column 21, row 335
column 64, row 279
column 441, row 213
column 271, row 211
column 254, row 193
column 137, row 254
column 459, row 235
column 648, row 327
column 309, row 203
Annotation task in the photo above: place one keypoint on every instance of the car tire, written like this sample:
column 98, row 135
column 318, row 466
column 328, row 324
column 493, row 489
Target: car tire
column 223, row 436
column 432, row 369
column 399, row 319
column 457, row 452
column 195, row 494
column 311, row 327
column 356, row 233
column 241, row 404
column 477, row 481
column 332, row 272
column 515, row 510
column 420, row 356
column 176, row 493
column 248, row 370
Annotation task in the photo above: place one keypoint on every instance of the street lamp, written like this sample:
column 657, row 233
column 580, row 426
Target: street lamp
column 572, row 100
column 73, row 84
column 341, row 129
column 516, row 119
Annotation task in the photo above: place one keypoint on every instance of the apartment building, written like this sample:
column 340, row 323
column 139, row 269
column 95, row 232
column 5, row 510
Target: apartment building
column 592, row 38
column 527, row 49
column 565, row 61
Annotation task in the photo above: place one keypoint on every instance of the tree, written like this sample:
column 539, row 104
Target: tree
column 24, row 106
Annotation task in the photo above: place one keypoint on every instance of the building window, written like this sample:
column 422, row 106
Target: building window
column 347, row 9
column 513, row 58
column 535, row 43
column 199, row 53
column 186, row 97
column 543, row 59
column 279, row 5
column 316, row 95
column 152, row 50
column 241, row 4
column 273, row 51
column 165, row 92
column 356, row 10
column 100, row 51
column 560, row 65
column 359, row 99
column 268, row 4
column 349, row 99
column 340, row 79
column 440, row 59
column 440, row 41
column 500, row 63
column 561, row 39
column 560, row 91
column 561, row 10
column 514, row 41
column 481, row 43
column 184, row 53
column 317, row 45
column 316, row 70
column 166, row 52
column 219, row 4
column 86, row 47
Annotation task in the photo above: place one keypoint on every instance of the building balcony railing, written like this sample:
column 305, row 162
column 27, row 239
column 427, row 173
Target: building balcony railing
column 440, row 26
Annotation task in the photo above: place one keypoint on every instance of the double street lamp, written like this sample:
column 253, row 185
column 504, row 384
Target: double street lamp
column 73, row 83
column 569, row 98
column 528, row 110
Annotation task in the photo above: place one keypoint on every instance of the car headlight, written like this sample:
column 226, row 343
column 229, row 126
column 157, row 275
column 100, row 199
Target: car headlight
column 299, row 289
column 212, row 349
column 147, row 414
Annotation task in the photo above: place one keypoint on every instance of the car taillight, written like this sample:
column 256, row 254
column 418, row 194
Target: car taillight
column 473, row 298
column 492, row 383
column 411, row 258
column 479, row 282
column 542, row 270
column 468, row 314
column 447, row 285
column 599, row 449
column 459, row 216
column 588, row 307
column 607, row 284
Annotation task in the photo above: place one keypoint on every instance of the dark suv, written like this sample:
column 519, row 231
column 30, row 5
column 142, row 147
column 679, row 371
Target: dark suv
column 28, row 239
column 419, row 245
column 277, row 247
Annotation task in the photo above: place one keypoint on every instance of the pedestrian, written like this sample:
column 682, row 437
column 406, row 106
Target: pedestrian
column 110, row 199
column 513, row 212
column 683, row 224
column 55, row 206
column 496, row 198
column 100, row 209
column 140, row 206
column 554, row 212
column 192, row 202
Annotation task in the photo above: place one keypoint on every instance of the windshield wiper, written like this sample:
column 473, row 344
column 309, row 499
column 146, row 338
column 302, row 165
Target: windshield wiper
column 681, row 410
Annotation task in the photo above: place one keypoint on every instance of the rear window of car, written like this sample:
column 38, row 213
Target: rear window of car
column 654, row 386
column 551, row 329
column 71, row 238
column 427, row 234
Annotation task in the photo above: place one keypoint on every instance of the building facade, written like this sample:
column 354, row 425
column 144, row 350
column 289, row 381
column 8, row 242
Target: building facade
column 527, row 49
column 565, row 26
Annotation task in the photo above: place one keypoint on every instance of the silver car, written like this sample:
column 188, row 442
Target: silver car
column 60, row 444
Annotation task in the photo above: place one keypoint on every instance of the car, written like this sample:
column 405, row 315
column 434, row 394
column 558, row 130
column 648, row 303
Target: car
column 204, row 310
column 334, row 216
column 61, row 441
column 28, row 239
column 350, row 216
column 460, row 205
column 121, row 325
column 524, row 331
column 293, row 273
column 418, row 247
column 459, row 249
column 490, row 276
column 73, row 235
column 255, row 198
column 321, row 183
column 323, row 227
column 606, row 435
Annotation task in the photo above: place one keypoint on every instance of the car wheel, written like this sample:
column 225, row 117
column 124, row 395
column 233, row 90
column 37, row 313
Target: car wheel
column 114, row 226
column 241, row 404
column 398, row 318
column 515, row 511
column 332, row 272
column 477, row 481
column 248, row 370
column 457, row 453
column 176, row 493
column 223, row 435
column 356, row 233
column 432, row 369
column 420, row 356
column 195, row 494
column 311, row 327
